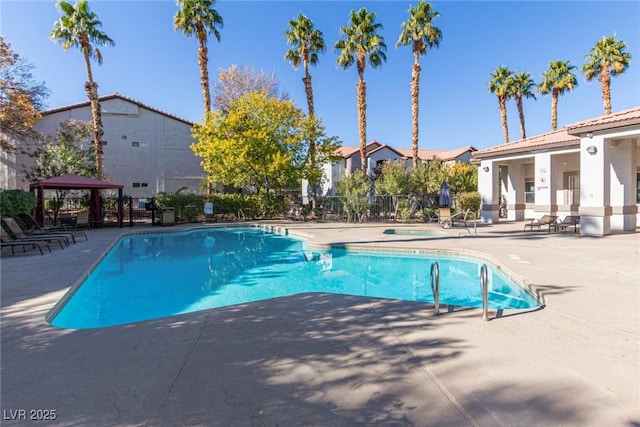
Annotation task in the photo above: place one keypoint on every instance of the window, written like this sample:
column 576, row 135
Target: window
column 140, row 184
column 574, row 189
column 135, row 143
column 638, row 188
column 529, row 191
column 136, row 184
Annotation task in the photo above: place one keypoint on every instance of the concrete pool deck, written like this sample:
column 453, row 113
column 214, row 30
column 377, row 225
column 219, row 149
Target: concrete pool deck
column 331, row 360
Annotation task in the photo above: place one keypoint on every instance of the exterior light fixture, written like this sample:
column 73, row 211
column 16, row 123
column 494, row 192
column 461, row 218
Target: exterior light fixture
column 486, row 168
column 589, row 135
column 592, row 149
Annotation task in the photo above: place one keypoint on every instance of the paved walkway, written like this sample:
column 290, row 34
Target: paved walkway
column 331, row 360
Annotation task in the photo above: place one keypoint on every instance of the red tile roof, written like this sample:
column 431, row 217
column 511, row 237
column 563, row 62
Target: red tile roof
column 559, row 138
column 116, row 96
column 630, row 117
column 347, row 151
column 566, row 137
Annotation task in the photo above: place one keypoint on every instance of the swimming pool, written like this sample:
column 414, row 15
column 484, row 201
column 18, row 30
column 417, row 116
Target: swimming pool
column 154, row 275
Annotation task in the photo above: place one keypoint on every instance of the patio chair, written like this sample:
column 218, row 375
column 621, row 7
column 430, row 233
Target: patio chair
column 444, row 217
column 567, row 221
column 82, row 220
column 33, row 228
column 7, row 241
column 19, row 235
column 537, row 223
column 459, row 218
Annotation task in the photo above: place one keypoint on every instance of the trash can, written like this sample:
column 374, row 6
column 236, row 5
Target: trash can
column 167, row 216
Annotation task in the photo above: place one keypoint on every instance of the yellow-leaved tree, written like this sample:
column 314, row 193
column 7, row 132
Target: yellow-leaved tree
column 259, row 143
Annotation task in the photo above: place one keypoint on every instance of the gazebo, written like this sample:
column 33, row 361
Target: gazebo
column 77, row 182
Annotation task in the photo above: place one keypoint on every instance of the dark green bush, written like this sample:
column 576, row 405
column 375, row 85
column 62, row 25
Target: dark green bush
column 13, row 202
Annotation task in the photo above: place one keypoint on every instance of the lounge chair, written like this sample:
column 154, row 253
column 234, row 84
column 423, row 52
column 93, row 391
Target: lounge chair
column 567, row 221
column 19, row 235
column 33, row 228
column 537, row 223
column 7, row 241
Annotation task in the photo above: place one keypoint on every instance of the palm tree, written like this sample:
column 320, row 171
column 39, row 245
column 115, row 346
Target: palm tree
column 361, row 42
column 500, row 85
column 605, row 59
column 78, row 27
column 419, row 33
column 522, row 85
column 306, row 43
column 200, row 18
column 557, row 79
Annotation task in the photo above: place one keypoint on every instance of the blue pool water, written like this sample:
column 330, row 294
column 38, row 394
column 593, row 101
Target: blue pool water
column 148, row 276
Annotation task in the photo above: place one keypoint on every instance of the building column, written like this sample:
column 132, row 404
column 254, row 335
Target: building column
column 545, row 199
column 622, row 155
column 514, row 191
column 488, row 188
column 595, row 210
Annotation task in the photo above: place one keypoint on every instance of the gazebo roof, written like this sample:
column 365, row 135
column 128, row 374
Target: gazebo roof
column 74, row 181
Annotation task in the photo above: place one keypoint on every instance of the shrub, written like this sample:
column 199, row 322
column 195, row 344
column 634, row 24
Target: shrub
column 469, row 200
column 13, row 202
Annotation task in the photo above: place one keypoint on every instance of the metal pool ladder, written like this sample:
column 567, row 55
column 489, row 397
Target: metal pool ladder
column 484, row 287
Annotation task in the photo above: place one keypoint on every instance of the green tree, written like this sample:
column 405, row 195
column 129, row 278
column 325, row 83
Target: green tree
column 78, row 27
column 361, row 42
column 428, row 176
column 70, row 153
column 259, row 143
column 199, row 18
column 21, row 98
column 395, row 181
column 607, row 58
column 500, row 85
column 419, row 32
column 522, row 87
column 462, row 178
column 354, row 189
column 558, row 79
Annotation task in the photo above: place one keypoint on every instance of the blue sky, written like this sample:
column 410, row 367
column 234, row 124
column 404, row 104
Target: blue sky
column 156, row 65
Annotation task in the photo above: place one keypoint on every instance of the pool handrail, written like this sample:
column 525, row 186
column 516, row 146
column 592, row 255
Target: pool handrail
column 435, row 285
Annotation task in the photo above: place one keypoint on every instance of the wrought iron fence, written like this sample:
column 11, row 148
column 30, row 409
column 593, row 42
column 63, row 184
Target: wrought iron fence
column 380, row 208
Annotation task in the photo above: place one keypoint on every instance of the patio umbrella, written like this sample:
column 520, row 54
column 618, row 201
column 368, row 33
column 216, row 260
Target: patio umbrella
column 445, row 198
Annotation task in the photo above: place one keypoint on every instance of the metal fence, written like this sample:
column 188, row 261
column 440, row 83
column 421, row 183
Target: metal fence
column 380, row 208
column 134, row 211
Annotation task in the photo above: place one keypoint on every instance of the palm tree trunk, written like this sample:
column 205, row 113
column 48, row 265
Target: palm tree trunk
column 523, row 133
column 605, row 81
column 362, row 122
column 415, row 92
column 311, row 154
column 91, row 88
column 203, row 59
column 309, row 92
column 204, row 74
column 503, row 116
column 554, row 110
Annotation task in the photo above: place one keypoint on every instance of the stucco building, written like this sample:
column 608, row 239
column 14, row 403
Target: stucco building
column 146, row 150
column 589, row 168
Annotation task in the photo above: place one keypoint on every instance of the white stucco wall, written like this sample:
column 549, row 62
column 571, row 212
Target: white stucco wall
column 162, row 158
